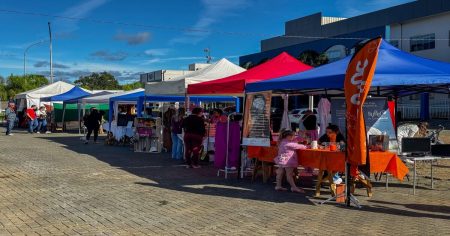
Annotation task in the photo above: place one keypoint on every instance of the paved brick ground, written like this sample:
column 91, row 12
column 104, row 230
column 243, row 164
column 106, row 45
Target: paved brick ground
column 54, row 185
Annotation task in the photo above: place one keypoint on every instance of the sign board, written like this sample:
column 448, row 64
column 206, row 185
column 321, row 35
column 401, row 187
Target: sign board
column 376, row 116
column 257, row 119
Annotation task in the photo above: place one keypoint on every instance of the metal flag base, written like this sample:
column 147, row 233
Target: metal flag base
column 352, row 199
column 349, row 197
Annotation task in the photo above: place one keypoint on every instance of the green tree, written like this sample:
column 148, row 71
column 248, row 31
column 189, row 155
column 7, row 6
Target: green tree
column 16, row 84
column 132, row 86
column 98, row 81
column 313, row 58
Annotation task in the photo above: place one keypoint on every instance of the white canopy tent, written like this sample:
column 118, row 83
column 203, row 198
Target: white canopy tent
column 33, row 97
column 177, row 86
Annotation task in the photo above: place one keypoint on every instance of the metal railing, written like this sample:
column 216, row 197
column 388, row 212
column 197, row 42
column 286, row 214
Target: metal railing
column 439, row 109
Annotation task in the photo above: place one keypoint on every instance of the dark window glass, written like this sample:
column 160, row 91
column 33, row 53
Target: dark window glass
column 422, row 42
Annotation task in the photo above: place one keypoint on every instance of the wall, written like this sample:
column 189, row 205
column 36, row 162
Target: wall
column 438, row 24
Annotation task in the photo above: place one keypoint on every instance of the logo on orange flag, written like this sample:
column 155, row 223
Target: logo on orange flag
column 358, row 79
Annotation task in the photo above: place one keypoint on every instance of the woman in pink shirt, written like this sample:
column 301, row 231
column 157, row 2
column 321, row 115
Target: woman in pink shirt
column 287, row 160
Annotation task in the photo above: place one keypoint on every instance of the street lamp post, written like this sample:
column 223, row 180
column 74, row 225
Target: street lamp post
column 51, row 52
column 25, row 55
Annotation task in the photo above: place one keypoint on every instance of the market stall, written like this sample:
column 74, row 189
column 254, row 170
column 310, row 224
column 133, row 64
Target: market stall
column 123, row 127
column 73, row 94
column 394, row 74
column 281, row 65
column 33, row 97
column 198, row 100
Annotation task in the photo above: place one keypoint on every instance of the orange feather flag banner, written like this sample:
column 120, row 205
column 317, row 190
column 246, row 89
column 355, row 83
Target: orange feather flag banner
column 358, row 79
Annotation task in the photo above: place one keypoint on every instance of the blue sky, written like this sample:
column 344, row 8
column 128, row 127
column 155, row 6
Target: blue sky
column 128, row 37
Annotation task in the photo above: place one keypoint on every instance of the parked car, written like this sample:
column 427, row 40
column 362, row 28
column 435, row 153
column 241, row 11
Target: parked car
column 296, row 115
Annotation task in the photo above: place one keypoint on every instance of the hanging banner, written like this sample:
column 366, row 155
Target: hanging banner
column 358, row 79
column 257, row 119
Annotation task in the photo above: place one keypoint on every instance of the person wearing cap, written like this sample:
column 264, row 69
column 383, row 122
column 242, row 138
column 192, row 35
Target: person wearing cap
column 41, row 115
column 10, row 116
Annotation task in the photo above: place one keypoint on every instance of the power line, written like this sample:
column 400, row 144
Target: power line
column 194, row 30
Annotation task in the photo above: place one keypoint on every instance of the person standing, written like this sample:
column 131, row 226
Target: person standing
column 11, row 116
column 32, row 118
column 42, row 120
column 309, row 121
column 287, row 160
column 92, row 124
column 194, row 132
column 176, row 130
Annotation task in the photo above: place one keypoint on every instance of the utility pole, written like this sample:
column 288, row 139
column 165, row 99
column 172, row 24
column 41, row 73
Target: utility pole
column 51, row 53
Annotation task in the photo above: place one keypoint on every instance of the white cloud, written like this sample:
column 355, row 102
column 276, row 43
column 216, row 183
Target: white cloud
column 77, row 11
column 171, row 59
column 214, row 11
column 157, row 52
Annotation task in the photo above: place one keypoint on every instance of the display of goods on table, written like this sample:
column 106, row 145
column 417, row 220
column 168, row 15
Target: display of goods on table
column 148, row 135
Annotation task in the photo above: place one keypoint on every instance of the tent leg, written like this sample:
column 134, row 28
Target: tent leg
column 79, row 119
column 62, row 120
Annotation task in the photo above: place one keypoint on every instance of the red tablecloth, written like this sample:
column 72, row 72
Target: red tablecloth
column 335, row 161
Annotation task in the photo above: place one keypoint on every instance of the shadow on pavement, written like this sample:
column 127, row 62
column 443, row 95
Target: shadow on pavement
column 420, row 207
column 166, row 173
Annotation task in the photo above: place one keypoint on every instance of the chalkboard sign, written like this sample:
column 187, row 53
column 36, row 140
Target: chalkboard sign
column 257, row 119
column 376, row 116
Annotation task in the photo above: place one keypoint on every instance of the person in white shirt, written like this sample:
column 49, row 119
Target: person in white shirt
column 41, row 115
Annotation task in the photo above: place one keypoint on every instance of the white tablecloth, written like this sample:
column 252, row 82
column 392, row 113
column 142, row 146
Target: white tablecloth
column 119, row 131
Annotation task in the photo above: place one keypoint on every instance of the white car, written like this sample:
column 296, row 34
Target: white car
column 296, row 115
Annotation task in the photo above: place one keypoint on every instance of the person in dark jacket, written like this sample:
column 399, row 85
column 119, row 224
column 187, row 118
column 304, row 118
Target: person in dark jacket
column 194, row 133
column 92, row 124
column 10, row 116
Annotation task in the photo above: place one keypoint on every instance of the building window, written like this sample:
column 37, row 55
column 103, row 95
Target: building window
column 394, row 43
column 422, row 42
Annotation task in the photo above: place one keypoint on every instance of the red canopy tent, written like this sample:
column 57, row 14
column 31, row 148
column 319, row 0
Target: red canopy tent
column 281, row 65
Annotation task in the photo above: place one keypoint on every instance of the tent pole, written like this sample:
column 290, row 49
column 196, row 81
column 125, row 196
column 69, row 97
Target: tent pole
column 79, row 118
column 62, row 119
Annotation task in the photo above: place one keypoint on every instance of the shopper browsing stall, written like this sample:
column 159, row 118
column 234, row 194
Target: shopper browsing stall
column 41, row 115
column 176, row 130
column 195, row 131
column 32, row 118
column 309, row 121
column 217, row 116
column 92, row 124
column 287, row 160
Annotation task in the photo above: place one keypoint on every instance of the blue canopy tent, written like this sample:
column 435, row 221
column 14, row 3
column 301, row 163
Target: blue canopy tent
column 74, row 94
column 397, row 73
column 194, row 99
column 395, row 70
column 140, row 98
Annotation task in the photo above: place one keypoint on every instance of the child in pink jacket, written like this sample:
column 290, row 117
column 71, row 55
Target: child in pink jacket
column 287, row 160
